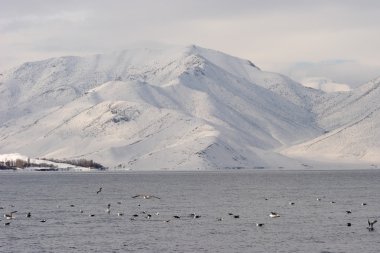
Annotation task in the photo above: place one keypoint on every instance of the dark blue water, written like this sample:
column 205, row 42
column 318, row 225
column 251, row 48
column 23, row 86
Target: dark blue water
column 307, row 226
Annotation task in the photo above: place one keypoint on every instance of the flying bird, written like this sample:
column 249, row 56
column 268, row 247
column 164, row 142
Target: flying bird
column 9, row 216
column 274, row 215
column 370, row 225
column 144, row 196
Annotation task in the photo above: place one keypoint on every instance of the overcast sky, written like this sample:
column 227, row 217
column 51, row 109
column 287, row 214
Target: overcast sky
column 330, row 38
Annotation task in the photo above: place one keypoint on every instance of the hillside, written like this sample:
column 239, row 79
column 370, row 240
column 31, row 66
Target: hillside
column 166, row 108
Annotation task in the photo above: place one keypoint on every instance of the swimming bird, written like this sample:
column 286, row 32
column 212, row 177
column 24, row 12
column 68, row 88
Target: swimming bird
column 120, row 214
column 91, row 215
column 364, row 204
column 43, row 221
column 219, row 219
column 348, row 211
column 28, row 215
column 332, row 202
column 318, row 199
column 144, row 196
column 9, row 216
column 236, row 216
column 119, row 202
column 135, row 215
column 291, row 203
column 274, row 215
column 81, row 211
column 370, row 225
column 99, row 191
column 349, row 224
column 7, row 224
column 176, row 217
column 259, row 224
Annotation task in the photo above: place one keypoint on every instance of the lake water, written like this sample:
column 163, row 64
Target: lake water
column 307, row 226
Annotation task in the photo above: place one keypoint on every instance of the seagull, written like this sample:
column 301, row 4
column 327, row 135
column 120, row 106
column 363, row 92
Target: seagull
column 99, row 191
column 370, row 225
column 9, row 216
column 108, row 210
column 274, row 215
column 144, row 196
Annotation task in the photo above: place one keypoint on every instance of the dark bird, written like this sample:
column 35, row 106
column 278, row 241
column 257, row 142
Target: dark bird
column 7, row 224
column 332, row 202
column 230, row 214
column 28, row 215
column 348, row 211
column 72, row 205
column 120, row 214
column 291, row 203
column 236, row 216
column 91, row 215
column 348, row 224
column 259, row 224
column 364, row 204
column 370, row 225
column 99, row 191
column 43, row 221
column 176, row 217
column 219, row 219
column 135, row 215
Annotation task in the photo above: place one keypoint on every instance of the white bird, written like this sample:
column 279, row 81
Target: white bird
column 108, row 210
column 274, row 215
column 9, row 216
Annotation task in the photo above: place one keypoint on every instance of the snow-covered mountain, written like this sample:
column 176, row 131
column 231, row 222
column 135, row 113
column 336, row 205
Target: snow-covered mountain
column 166, row 108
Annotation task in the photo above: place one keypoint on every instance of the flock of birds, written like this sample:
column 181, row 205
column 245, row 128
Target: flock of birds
column 11, row 215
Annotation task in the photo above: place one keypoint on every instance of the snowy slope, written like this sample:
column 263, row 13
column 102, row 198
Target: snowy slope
column 165, row 108
column 353, row 123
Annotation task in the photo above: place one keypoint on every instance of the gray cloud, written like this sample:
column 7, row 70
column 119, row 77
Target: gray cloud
column 275, row 34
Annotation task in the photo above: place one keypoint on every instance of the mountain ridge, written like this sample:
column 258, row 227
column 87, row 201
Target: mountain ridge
column 172, row 108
